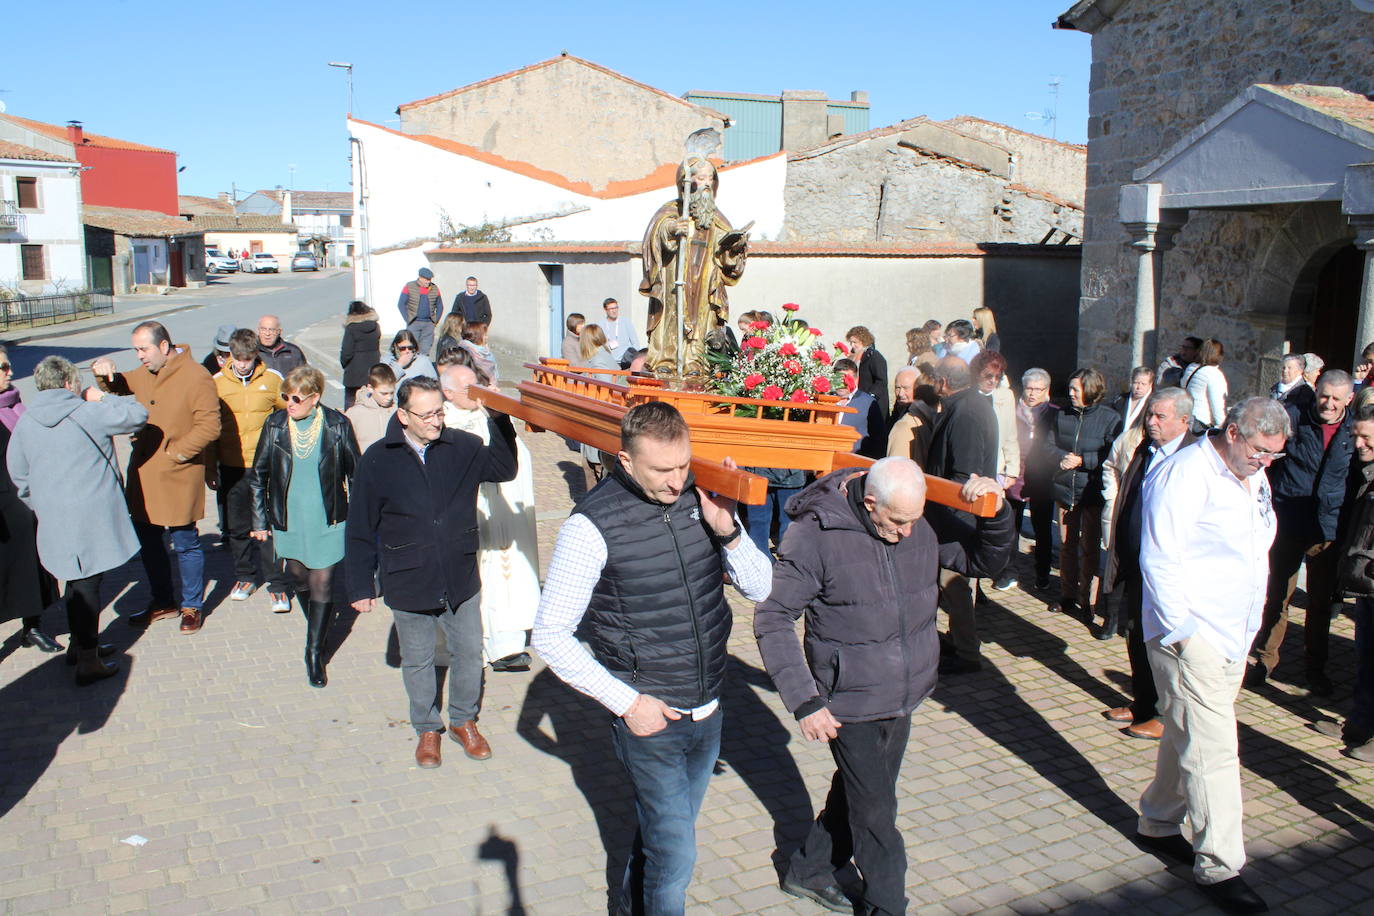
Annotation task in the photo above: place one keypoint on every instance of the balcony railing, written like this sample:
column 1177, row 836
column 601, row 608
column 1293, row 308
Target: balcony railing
column 11, row 219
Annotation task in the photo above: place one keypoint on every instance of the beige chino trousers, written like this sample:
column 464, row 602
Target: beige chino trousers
column 1197, row 773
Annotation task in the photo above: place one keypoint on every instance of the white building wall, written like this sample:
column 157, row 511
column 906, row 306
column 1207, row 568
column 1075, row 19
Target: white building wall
column 56, row 225
column 411, row 185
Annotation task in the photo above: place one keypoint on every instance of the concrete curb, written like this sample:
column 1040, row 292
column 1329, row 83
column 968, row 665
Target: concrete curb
column 70, row 328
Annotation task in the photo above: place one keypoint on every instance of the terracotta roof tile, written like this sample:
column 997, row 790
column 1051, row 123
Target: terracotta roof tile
column 547, row 63
column 322, row 200
column 193, row 205
column 19, row 151
column 1350, row 107
column 137, row 223
column 243, row 222
column 962, row 119
column 97, row 140
column 660, row 177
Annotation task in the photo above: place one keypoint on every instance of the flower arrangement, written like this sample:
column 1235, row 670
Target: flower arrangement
column 786, row 361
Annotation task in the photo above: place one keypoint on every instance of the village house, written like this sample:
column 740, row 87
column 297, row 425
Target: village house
column 42, row 248
column 1230, row 185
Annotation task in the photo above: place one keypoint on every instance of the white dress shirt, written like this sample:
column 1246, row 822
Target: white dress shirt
column 578, row 560
column 1204, row 551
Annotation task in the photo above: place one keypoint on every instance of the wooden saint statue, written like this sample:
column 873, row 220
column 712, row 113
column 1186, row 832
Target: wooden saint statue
column 687, row 295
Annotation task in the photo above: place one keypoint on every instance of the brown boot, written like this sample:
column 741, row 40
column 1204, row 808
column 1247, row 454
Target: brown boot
column 428, row 753
column 89, row 667
column 474, row 745
column 192, row 619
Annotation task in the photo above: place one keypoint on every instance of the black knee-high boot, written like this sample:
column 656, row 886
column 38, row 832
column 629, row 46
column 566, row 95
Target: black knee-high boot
column 318, row 616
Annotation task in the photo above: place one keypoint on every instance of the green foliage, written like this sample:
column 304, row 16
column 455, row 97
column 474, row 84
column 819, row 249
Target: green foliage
column 785, row 361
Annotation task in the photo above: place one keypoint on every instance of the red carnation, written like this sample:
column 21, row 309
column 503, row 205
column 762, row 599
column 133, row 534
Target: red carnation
column 772, row 393
column 758, row 325
column 821, row 384
column 758, row 343
column 788, row 349
column 792, row 366
column 790, row 307
column 850, row 382
column 816, row 331
column 842, row 347
column 752, row 381
column 799, row 397
column 821, row 356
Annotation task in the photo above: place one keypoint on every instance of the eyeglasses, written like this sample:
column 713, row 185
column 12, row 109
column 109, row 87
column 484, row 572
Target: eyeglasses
column 5, row 367
column 299, row 399
column 401, row 348
column 426, row 417
column 1262, row 455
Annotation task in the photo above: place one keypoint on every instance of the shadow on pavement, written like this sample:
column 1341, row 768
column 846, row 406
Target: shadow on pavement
column 496, row 848
column 993, row 705
column 580, row 736
column 754, row 743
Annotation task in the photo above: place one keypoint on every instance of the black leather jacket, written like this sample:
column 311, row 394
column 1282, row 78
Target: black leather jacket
column 273, row 461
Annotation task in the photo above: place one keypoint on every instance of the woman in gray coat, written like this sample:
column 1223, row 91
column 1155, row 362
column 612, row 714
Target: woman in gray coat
column 62, row 460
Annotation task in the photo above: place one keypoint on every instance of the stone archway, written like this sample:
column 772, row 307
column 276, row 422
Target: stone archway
column 1281, row 296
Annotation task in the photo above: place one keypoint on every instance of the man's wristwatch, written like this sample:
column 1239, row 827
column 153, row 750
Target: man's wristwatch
column 721, row 541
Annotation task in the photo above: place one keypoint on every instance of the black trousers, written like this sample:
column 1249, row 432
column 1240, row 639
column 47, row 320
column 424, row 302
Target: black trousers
column 236, row 489
column 860, row 817
column 1144, row 695
column 1042, row 524
column 83, row 610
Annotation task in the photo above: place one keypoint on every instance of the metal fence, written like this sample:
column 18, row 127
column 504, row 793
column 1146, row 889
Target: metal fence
column 36, row 311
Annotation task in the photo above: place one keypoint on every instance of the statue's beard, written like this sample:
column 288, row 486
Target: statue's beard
column 701, row 207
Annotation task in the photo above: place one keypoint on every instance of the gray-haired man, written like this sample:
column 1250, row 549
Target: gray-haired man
column 1207, row 523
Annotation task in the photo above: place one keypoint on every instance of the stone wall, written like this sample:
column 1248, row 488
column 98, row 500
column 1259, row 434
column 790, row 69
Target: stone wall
column 1050, row 165
column 877, row 189
column 1160, row 68
column 568, row 116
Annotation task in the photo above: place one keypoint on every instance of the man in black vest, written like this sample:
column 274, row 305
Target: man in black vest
column 639, row 567
column 1166, row 431
column 472, row 304
column 422, row 306
column 412, row 515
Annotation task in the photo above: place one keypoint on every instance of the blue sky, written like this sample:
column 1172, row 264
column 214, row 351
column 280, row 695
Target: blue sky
column 242, row 92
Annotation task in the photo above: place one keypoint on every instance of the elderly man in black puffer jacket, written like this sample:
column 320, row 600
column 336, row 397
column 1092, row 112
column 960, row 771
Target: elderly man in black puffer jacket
column 860, row 560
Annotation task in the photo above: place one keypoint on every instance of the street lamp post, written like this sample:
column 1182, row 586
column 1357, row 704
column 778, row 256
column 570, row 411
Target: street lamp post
column 344, row 65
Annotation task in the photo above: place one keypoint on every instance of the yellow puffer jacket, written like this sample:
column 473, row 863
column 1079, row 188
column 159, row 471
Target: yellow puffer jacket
column 243, row 407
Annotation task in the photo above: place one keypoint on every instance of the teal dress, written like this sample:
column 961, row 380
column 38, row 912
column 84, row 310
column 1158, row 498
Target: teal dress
column 310, row 540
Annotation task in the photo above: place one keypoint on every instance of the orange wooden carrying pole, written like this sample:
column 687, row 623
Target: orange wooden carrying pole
column 938, row 489
column 740, row 486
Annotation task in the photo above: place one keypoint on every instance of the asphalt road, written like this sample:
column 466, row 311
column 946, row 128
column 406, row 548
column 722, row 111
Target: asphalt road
column 311, row 307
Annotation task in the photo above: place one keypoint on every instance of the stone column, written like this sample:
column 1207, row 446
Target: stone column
column 1364, row 328
column 1140, row 213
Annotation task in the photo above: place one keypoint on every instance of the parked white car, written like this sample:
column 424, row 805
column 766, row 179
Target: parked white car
column 262, row 262
column 218, row 262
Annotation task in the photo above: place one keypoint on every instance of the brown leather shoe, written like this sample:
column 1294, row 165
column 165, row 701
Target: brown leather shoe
column 191, row 619
column 1120, row 714
column 151, row 615
column 474, row 745
column 1152, row 730
column 428, row 753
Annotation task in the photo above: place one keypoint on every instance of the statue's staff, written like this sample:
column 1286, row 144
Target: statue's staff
column 700, row 144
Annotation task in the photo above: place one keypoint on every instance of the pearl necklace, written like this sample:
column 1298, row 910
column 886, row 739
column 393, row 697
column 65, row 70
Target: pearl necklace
column 303, row 441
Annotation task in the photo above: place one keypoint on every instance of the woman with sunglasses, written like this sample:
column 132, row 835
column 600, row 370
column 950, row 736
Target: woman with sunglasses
column 25, row 587
column 304, row 461
column 406, row 359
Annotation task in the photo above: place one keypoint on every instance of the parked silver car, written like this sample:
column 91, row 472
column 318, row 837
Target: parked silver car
column 262, row 262
column 218, row 262
column 304, row 260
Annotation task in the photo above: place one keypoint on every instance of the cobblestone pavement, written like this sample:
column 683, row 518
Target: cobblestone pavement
column 257, row 794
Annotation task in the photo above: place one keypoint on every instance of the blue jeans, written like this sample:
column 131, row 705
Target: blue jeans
column 759, row 521
column 158, row 566
column 669, row 771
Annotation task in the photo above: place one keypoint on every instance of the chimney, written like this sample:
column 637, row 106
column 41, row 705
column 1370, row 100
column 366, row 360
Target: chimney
column 224, row 197
column 803, row 119
column 286, row 206
column 74, row 133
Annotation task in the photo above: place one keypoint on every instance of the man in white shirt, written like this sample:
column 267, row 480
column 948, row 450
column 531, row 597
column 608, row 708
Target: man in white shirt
column 1208, row 521
column 621, row 339
column 639, row 567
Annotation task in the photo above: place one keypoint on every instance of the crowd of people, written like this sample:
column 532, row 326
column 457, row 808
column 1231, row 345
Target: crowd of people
column 1206, row 509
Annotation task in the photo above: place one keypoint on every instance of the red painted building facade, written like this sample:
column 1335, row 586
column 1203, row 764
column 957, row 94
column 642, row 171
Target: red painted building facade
column 118, row 173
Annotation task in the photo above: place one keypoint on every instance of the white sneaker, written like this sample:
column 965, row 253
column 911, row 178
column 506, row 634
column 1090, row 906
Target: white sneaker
column 242, row 590
column 281, row 603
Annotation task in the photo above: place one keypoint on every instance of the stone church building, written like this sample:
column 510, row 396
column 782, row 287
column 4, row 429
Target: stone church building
column 1230, row 181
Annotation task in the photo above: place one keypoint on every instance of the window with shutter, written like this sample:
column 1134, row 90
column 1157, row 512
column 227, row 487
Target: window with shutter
column 32, row 256
column 26, row 193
